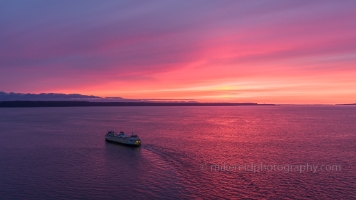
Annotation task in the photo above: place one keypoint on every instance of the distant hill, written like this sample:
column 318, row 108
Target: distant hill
column 77, row 97
column 46, row 97
column 68, row 100
column 90, row 104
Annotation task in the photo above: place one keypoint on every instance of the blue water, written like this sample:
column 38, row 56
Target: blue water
column 187, row 152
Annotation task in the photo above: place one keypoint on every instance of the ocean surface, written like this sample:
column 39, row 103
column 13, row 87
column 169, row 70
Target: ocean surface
column 251, row 152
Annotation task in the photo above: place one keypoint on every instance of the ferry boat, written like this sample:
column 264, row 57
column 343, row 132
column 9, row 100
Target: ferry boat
column 122, row 138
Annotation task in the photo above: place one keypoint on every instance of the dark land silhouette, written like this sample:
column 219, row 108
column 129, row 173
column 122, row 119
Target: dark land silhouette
column 90, row 104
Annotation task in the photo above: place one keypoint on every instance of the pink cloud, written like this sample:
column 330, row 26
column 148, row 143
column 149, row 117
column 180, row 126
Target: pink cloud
column 182, row 50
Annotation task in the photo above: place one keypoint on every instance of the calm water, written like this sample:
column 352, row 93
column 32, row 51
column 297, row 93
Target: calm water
column 187, row 152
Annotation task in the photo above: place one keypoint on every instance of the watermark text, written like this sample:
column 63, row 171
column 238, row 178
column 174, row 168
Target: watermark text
column 262, row 167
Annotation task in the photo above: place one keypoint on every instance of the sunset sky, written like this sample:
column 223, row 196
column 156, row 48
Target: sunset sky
column 210, row 51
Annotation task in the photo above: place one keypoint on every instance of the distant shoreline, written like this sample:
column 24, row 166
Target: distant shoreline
column 92, row 104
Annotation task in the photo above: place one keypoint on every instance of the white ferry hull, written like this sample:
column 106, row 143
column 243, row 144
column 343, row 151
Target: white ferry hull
column 123, row 141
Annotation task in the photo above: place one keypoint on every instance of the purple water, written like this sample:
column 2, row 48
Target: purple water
column 278, row 152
